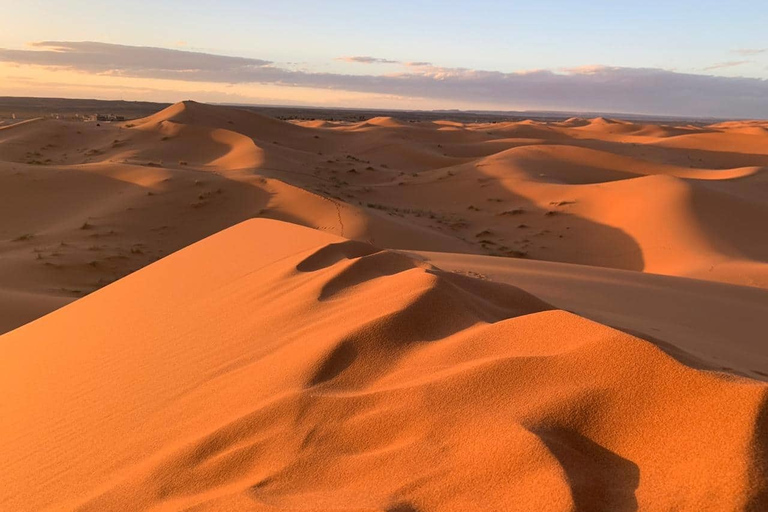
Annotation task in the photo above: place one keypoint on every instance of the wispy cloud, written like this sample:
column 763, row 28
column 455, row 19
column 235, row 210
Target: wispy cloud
column 591, row 69
column 727, row 64
column 749, row 51
column 368, row 60
column 586, row 88
column 130, row 60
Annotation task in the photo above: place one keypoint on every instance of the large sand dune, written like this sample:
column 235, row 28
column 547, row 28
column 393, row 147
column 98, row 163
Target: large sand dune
column 595, row 340
column 273, row 367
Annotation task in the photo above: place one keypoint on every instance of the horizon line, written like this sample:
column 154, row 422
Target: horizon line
column 572, row 113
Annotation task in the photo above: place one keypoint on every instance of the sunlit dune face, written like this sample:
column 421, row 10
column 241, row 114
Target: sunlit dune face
column 273, row 363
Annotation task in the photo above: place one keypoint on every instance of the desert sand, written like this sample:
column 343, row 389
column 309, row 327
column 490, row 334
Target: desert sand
column 250, row 314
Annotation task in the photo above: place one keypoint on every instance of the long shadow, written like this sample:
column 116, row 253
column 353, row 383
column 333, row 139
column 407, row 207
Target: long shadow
column 735, row 225
column 600, row 480
column 553, row 234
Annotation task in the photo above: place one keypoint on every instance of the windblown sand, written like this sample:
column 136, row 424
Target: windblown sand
column 426, row 316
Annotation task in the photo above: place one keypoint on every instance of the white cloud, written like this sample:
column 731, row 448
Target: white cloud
column 749, row 51
column 727, row 64
column 135, row 60
column 368, row 60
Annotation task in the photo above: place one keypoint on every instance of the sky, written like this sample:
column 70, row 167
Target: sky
column 694, row 58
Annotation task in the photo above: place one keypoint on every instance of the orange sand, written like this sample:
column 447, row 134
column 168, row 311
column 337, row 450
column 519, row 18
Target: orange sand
column 276, row 367
column 273, row 367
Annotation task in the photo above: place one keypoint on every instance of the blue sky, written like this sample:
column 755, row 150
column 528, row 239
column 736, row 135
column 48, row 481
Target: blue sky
column 709, row 38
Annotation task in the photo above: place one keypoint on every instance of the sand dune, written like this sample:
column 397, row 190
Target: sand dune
column 303, row 371
column 705, row 324
column 594, row 192
column 684, row 201
column 384, row 316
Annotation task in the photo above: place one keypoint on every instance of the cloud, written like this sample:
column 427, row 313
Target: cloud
column 749, row 51
column 590, row 69
column 118, row 59
column 368, row 60
column 586, row 88
column 727, row 64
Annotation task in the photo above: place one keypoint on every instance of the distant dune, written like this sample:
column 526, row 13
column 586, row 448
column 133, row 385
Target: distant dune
column 382, row 315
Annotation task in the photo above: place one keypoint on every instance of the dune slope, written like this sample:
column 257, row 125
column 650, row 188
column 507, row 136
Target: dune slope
column 704, row 324
column 274, row 367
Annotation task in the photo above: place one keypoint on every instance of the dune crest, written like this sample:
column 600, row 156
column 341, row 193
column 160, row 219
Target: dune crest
column 272, row 366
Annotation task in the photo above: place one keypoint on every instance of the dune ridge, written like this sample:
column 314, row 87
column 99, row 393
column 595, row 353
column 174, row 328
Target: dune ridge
column 435, row 386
